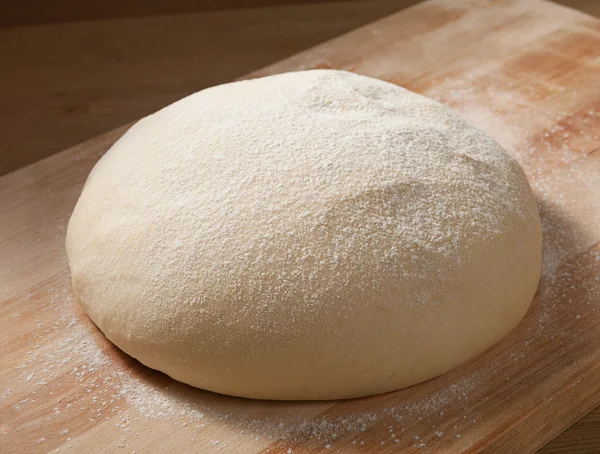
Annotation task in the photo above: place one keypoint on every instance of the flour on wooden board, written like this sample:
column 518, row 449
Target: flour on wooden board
column 108, row 389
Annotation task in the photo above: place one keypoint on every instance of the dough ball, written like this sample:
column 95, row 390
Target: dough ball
column 309, row 235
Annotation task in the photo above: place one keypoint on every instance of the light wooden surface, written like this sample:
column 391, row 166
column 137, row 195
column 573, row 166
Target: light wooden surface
column 62, row 83
column 523, row 94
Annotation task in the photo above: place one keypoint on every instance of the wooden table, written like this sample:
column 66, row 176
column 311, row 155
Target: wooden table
column 73, row 70
column 538, row 99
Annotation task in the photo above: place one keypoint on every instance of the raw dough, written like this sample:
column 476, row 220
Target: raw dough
column 310, row 235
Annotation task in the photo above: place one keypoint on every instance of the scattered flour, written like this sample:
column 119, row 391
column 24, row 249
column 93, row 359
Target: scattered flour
column 107, row 388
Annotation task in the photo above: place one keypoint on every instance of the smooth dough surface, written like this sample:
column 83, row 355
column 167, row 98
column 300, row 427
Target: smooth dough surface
column 310, row 235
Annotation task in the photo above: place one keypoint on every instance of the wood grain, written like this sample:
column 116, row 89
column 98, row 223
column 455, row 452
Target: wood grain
column 582, row 438
column 537, row 96
column 64, row 83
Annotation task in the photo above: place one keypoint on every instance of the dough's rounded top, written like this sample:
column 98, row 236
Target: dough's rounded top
column 309, row 235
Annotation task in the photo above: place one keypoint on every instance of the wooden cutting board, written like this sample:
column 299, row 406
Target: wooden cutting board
column 526, row 72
